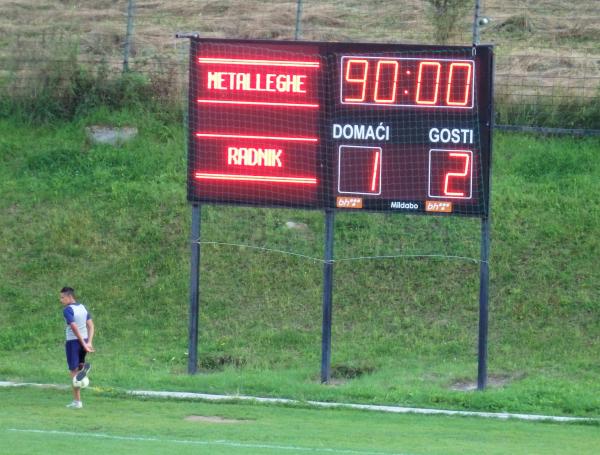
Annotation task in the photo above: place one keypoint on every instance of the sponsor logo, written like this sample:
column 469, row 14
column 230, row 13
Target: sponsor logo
column 438, row 206
column 345, row 202
column 404, row 205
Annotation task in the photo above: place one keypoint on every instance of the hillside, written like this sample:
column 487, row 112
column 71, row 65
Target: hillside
column 548, row 53
column 114, row 223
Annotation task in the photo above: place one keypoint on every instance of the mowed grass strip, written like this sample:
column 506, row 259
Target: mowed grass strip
column 33, row 420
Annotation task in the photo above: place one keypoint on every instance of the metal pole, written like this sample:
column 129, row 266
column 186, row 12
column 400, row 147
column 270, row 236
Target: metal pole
column 484, row 286
column 298, row 20
column 327, row 297
column 194, row 290
column 476, row 24
column 128, row 36
column 484, row 267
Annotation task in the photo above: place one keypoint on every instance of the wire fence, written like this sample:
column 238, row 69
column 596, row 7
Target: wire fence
column 547, row 51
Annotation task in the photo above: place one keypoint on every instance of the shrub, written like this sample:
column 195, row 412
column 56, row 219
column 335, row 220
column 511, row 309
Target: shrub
column 445, row 16
column 61, row 87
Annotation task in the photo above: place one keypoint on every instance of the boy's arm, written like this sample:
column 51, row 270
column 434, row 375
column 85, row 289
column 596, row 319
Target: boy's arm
column 90, row 328
column 87, row 346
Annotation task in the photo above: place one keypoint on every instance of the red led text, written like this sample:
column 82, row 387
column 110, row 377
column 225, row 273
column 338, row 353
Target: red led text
column 407, row 82
column 256, row 82
column 450, row 174
column 359, row 170
column 250, row 156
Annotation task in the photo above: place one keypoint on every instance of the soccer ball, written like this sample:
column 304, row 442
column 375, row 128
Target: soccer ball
column 81, row 384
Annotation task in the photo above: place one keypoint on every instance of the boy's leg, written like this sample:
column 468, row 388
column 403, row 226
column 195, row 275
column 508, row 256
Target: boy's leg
column 76, row 390
column 73, row 358
column 83, row 367
column 83, row 370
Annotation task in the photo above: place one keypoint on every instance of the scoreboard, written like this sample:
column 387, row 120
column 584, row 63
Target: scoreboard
column 345, row 126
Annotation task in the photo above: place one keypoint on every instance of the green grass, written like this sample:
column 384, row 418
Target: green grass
column 114, row 224
column 35, row 420
column 560, row 111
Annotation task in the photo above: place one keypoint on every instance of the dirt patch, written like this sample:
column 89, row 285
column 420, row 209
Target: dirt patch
column 212, row 419
column 493, row 382
column 342, row 372
column 336, row 381
column 219, row 362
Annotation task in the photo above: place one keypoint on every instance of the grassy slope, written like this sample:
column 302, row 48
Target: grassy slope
column 113, row 222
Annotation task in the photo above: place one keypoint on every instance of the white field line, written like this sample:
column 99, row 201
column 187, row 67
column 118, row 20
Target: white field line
column 365, row 407
column 321, row 404
column 221, row 443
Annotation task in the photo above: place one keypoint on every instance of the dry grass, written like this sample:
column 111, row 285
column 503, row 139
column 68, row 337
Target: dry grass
column 543, row 46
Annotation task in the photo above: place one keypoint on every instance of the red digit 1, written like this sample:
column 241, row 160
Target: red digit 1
column 455, row 100
column 360, row 80
column 375, row 171
column 450, row 175
column 392, row 98
column 423, row 83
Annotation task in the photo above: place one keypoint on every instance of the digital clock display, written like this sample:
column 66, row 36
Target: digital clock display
column 347, row 126
column 385, row 81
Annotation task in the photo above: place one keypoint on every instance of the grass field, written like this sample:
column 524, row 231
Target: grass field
column 34, row 420
column 114, row 223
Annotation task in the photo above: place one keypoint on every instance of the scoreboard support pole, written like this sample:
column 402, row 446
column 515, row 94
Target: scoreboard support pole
column 484, row 267
column 484, row 285
column 194, row 291
column 327, row 297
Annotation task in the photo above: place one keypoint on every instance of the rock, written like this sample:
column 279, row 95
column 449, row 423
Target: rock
column 294, row 225
column 110, row 135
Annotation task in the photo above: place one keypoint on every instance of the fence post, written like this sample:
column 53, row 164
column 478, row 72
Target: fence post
column 476, row 24
column 298, row 20
column 129, row 35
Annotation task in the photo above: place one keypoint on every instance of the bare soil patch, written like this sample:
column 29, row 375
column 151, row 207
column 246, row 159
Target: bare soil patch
column 493, row 382
column 212, row 419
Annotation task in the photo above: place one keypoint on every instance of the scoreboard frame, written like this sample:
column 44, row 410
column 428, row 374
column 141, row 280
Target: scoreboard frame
column 442, row 129
column 451, row 153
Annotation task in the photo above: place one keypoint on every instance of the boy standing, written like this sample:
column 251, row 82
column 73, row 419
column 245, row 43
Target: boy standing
column 80, row 334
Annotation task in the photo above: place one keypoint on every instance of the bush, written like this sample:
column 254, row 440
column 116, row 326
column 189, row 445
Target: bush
column 445, row 16
column 63, row 88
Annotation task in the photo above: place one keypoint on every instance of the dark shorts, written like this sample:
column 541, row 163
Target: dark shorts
column 75, row 354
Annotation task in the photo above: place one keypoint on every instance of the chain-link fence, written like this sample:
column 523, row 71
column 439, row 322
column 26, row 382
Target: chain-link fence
column 547, row 51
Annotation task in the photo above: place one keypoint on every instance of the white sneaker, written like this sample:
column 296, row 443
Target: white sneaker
column 75, row 405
